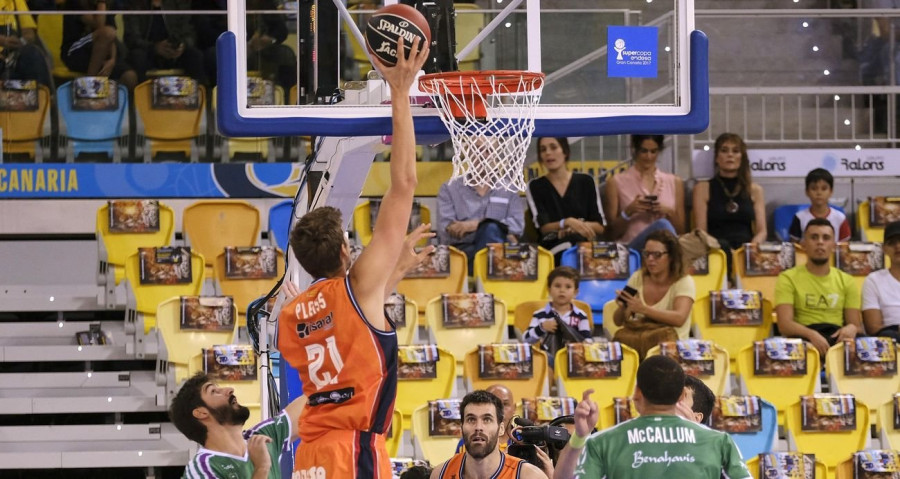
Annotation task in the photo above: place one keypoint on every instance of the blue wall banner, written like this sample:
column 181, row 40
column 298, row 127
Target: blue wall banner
column 633, row 51
column 140, row 180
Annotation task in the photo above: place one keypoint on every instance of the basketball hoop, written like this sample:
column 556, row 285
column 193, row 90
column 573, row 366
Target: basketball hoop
column 490, row 116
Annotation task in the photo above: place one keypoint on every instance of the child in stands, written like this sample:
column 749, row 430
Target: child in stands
column 560, row 322
column 819, row 186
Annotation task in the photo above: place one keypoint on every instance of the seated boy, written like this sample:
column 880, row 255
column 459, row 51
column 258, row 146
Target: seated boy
column 559, row 322
column 819, row 186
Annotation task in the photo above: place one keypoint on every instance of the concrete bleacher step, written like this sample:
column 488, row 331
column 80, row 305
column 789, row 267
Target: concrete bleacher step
column 56, row 341
column 112, row 392
column 93, row 446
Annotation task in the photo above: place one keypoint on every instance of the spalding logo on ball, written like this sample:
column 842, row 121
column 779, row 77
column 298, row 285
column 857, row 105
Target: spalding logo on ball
column 390, row 23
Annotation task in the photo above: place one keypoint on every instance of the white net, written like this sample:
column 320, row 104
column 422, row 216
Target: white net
column 490, row 119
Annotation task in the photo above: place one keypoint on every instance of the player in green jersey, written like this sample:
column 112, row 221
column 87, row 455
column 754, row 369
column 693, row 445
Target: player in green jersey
column 211, row 416
column 657, row 444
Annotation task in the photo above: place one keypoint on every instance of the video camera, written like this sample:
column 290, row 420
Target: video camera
column 526, row 437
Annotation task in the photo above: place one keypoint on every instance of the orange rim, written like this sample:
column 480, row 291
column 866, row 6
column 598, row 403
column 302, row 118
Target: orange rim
column 469, row 88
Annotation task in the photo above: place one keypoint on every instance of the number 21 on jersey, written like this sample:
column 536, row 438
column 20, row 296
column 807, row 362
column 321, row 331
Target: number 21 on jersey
column 316, row 354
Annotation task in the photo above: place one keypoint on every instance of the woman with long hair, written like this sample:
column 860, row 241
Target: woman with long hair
column 730, row 206
column 660, row 308
column 643, row 199
column 565, row 205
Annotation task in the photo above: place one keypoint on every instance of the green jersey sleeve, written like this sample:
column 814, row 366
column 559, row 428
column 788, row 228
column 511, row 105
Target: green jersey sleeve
column 278, row 428
column 590, row 462
column 732, row 463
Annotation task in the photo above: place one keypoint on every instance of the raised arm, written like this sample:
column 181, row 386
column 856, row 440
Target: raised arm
column 371, row 272
column 293, row 410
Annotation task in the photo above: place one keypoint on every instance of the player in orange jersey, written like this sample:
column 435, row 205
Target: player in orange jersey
column 336, row 333
column 482, row 419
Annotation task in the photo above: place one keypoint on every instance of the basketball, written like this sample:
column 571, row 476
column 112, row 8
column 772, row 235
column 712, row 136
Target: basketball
column 390, row 23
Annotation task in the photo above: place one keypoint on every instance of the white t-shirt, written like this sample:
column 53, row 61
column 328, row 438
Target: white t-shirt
column 882, row 291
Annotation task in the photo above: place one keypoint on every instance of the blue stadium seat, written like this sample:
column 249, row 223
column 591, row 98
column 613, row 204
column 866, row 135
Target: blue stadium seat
column 784, row 215
column 597, row 292
column 91, row 131
column 280, row 222
column 753, row 444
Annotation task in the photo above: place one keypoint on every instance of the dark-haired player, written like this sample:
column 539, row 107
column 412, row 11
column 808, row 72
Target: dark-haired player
column 336, row 333
column 482, row 419
column 659, row 443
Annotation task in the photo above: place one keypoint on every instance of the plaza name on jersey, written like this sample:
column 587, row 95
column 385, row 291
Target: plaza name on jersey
column 306, row 309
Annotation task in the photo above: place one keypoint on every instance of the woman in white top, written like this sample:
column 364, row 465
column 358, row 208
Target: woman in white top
column 881, row 290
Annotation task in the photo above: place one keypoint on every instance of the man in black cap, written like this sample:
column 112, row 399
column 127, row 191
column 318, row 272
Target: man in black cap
column 881, row 291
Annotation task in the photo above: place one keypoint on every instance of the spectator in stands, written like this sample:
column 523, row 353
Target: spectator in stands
column 730, row 206
column 266, row 51
column 164, row 41
column 643, row 199
column 560, row 321
column 815, row 301
column 211, row 416
column 697, row 402
column 660, row 308
column 22, row 56
column 564, row 205
column 659, row 443
column 482, row 418
column 819, row 186
column 881, row 290
column 473, row 216
column 90, row 45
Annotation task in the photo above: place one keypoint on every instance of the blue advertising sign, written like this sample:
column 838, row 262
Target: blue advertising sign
column 164, row 180
column 633, row 51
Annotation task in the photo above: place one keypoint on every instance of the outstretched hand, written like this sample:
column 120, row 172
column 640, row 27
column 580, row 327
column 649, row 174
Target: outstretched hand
column 409, row 259
column 402, row 75
column 586, row 414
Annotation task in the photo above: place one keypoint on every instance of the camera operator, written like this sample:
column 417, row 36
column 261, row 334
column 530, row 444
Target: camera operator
column 540, row 445
column 482, row 418
column 657, row 444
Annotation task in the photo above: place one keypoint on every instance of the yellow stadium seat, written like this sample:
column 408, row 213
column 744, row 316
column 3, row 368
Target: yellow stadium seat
column 782, row 391
column 718, row 382
column 23, row 130
column 407, row 333
column 422, row 290
column 605, row 389
column 362, row 221
column 258, row 147
column 468, row 25
column 524, row 312
column 412, row 393
column 731, row 338
column 869, row 232
column 515, row 292
column 520, row 388
column 821, row 470
column 608, row 414
column 873, row 391
column 459, row 340
column 890, row 437
column 763, row 284
column 210, row 226
column 181, row 348
column 115, row 248
column 609, row 325
column 829, row 447
column 147, row 297
column 435, row 449
column 715, row 279
column 396, row 434
column 245, row 291
column 49, row 29
column 168, row 130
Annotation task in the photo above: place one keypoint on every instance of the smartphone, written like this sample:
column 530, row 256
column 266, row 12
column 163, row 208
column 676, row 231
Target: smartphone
column 651, row 198
column 629, row 290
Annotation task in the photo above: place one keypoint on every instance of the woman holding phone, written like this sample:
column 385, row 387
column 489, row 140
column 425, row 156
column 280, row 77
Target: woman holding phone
column 643, row 199
column 655, row 305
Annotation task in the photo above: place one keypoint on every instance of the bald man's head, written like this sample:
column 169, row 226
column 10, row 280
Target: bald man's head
column 506, row 397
